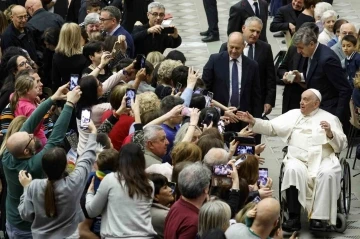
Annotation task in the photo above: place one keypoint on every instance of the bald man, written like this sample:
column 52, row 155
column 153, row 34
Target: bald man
column 345, row 29
column 267, row 216
column 17, row 34
column 234, row 80
column 312, row 171
column 22, row 154
column 41, row 20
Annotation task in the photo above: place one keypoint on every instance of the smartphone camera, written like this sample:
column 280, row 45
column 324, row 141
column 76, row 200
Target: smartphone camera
column 222, row 169
column 140, row 62
column 130, row 95
column 85, row 118
column 208, row 119
column 168, row 30
column 73, row 81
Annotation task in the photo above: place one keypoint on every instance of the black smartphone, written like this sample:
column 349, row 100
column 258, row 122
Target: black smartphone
column 178, row 87
column 263, row 176
column 168, row 30
column 85, row 118
column 222, row 169
column 130, row 94
column 140, row 62
column 74, row 78
column 245, row 140
column 208, row 119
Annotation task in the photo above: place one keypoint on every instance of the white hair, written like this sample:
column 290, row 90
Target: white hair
column 328, row 14
column 155, row 5
column 92, row 18
column 320, row 8
column 216, row 156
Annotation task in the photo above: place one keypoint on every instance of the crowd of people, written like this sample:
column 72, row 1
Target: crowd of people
column 103, row 136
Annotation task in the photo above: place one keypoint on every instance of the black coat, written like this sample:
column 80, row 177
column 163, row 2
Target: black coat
column 145, row 43
column 135, row 10
column 12, row 37
column 285, row 15
column 216, row 76
column 292, row 92
column 326, row 75
column 241, row 11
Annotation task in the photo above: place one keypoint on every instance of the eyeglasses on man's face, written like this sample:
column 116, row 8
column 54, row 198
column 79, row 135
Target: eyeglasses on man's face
column 31, row 136
column 104, row 19
column 156, row 14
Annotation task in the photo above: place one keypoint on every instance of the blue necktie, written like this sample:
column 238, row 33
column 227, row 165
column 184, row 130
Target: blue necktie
column 257, row 12
column 234, row 101
column 251, row 52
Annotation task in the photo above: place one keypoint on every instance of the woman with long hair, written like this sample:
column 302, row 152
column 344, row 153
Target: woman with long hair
column 53, row 204
column 130, row 186
column 14, row 66
column 23, row 102
column 68, row 58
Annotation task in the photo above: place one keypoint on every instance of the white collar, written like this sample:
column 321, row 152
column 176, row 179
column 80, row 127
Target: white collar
column 239, row 59
column 251, row 2
column 113, row 31
column 317, row 45
column 351, row 56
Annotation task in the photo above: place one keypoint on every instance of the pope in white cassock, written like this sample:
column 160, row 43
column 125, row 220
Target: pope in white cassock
column 312, row 172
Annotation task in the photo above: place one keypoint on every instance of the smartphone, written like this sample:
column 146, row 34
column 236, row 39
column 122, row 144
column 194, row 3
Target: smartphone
column 168, row 30
column 244, row 149
column 130, row 94
column 263, row 176
column 222, row 169
column 85, row 118
column 210, row 95
column 208, row 119
column 245, row 140
column 172, row 186
column 140, row 62
column 257, row 199
column 240, row 160
column 186, row 112
column 73, row 81
column 198, row 90
column 178, row 87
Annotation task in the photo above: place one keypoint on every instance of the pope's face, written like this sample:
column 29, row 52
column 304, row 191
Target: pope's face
column 308, row 102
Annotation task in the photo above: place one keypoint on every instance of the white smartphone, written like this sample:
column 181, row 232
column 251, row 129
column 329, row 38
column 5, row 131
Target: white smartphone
column 73, row 81
column 85, row 118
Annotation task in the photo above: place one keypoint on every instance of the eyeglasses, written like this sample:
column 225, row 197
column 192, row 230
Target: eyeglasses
column 104, row 19
column 23, row 63
column 23, row 17
column 31, row 136
column 155, row 14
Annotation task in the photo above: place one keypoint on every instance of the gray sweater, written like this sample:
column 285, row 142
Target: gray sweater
column 122, row 216
column 67, row 193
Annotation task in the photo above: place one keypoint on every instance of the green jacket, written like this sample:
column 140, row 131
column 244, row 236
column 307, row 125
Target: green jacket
column 33, row 165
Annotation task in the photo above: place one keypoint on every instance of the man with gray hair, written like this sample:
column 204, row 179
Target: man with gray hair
column 155, row 144
column 322, row 71
column 182, row 219
column 216, row 156
column 312, row 171
column 92, row 23
column 153, row 36
column 110, row 18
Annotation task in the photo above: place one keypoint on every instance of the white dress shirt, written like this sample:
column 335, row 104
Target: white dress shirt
column 113, row 31
column 239, row 66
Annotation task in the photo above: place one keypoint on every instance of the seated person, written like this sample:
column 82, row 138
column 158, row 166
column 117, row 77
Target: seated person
column 309, row 182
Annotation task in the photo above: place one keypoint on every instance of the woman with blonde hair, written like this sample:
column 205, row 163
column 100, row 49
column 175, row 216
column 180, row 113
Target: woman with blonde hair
column 214, row 215
column 23, row 102
column 185, row 151
column 155, row 58
column 68, row 58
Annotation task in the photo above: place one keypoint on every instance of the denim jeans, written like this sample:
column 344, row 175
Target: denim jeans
column 15, row 233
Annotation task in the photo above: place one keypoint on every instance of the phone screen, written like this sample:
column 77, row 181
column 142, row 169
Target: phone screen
column 130, row 94
column 244, row 149
column 73, row 81
column 178, row 87
column 263, row 175
column 85, row 118
column 198, row 90
column 222, row 169
column 208, row 119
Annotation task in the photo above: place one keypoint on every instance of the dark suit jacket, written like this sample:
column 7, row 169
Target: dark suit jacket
column 241, row 11
column 326, row 75
column 217, row 80
column 292, row 92
column 264, row 58
column 285, row 15
column 129, row 40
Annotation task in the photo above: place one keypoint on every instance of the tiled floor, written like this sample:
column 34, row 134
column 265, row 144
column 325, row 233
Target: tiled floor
column 189, row 17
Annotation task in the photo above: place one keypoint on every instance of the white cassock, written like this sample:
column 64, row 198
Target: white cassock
column 310, row 164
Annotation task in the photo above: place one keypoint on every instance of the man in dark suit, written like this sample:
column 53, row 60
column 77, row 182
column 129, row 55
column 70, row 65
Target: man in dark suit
column 285, row 18
column 110, row 17
column 244, row 9
column 322, row 71
column 234, row 79
column 212, row 33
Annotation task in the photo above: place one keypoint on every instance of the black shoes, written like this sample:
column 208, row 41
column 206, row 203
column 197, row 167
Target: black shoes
column 317, row 224
column 292, row 225
column 211, row 38
column 204, row 34
column 280, row 34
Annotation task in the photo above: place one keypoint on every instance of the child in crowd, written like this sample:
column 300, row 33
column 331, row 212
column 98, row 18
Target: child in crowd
column 352, row 64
